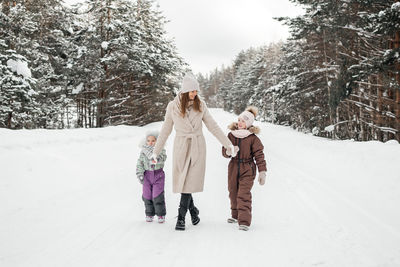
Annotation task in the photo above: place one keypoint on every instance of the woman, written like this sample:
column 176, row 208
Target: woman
column 187, row 112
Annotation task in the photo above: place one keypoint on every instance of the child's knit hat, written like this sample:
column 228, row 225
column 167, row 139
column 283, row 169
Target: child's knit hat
column 249, row 115
column 189, row 83
column 154, row 133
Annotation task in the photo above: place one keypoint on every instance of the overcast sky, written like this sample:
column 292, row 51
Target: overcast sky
column 209, row 33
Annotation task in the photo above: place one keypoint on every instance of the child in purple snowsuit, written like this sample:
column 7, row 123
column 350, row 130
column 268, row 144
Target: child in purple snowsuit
column 152, row 176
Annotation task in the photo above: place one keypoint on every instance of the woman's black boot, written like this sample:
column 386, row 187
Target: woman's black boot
column 183, row 208
column 180, row 224
column 194, row 213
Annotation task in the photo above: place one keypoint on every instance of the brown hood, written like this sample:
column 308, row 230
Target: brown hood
column 253, row 129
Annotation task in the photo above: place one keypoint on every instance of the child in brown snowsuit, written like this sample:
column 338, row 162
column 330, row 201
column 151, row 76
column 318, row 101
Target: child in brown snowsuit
column 242, row 168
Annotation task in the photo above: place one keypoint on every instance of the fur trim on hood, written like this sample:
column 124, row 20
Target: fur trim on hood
column 253, row 129
column 148, row 133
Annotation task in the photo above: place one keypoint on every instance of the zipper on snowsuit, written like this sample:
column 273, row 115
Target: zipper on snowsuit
column 238, row 156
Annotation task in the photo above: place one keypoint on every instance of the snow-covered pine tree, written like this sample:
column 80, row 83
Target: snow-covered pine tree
column 246, row 79
column 376, row 100
column 337, row 76
column 238, row 85
column 36, row 31
column 18, row 100
column 209, row 86
column 237, row 82
column 152, row 61
column 223, row 93
column 18, row 105
column 348, row 48
column 321, row 27
column 262, row 97
column 135, row 67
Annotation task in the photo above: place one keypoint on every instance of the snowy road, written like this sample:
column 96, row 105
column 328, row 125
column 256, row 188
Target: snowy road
column 70, row 198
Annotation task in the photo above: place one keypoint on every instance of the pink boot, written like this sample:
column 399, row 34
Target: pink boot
column 161, row 219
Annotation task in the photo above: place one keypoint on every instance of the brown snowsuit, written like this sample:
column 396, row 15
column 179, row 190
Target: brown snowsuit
column 242, row 171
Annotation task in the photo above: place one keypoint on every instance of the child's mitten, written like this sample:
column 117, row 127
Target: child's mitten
column 140, row 178
column 261, row 177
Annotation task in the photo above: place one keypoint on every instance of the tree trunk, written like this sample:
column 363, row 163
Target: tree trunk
column 397, row 103
column 68, row 124
column 327, row 84
column 90, row 115
column 84, row 100
column 77, row 112
column 9, row 120
column 379, row 107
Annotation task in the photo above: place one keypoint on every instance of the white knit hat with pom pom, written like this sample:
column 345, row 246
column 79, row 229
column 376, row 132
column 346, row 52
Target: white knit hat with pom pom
column 249, row 115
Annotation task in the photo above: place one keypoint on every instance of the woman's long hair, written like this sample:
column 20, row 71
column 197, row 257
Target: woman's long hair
column 185, row 101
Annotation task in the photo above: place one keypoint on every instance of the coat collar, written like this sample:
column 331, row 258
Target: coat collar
column 186, row 119
column 253, row 129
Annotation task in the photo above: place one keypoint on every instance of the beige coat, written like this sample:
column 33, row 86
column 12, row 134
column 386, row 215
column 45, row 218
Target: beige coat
column 189, row 152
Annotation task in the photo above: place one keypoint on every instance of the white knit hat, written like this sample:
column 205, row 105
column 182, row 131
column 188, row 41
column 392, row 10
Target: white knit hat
column 248, row 118
column 249, row 115
column 189, row 83
column 154, row 133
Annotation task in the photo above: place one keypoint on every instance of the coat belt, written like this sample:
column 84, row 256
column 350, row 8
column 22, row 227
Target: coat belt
column 188, row 135
column 194, row 153
column 242, row 160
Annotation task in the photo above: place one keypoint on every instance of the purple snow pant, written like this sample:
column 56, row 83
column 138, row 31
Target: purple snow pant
column 153, row 192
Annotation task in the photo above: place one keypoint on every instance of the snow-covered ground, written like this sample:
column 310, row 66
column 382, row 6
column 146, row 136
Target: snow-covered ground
column 71, row 198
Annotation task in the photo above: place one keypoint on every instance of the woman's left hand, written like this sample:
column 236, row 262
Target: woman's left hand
column 235, row 151
column 153, row 158
column 229, row 150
